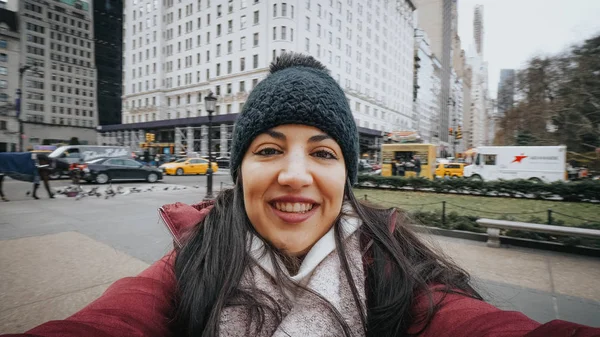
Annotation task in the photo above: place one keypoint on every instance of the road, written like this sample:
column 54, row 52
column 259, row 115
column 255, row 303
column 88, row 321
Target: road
column 17, row 190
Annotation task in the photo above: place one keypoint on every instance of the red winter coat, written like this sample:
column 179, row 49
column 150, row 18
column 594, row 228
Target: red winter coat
column 142, row 306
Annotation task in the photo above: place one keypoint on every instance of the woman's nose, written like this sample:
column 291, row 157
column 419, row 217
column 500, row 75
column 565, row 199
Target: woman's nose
column 295, row 172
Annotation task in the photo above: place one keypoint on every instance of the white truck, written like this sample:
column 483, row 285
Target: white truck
column 536, row 163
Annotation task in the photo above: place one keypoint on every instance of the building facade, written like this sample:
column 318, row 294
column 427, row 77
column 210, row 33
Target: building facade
column 59, row 77
column 108, row 42
column 9, row 79
column 478, row 29
column 438, row 19
column 175, row 53
column 427, row 89
column 506, row 91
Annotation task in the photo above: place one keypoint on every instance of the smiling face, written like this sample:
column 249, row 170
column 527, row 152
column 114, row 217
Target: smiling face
column 293, row 177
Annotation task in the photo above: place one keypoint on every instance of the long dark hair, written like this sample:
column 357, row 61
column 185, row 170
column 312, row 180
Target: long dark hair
column 400, row 267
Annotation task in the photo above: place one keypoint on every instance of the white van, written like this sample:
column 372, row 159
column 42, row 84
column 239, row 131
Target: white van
column 75, row 153
column 536, row 163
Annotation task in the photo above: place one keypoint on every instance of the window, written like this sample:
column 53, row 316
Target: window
column 242, row 64
column 242, row 86
column 219, row 11
column 275, row 10
column 229, row 47
column 254, row 83
column 489, row 159
column 243, row 22
column 219, row 30
column 243, row 43
column 284, row 33
column 3, row 57
column 318, row 30
column 284, row 9
column 292, row 11
column 229, row 88
column 307, row 23
column 307, row 45
column 254, row 61
column 319, row 10
column 274, row 33
column 229, row 67
column 255, row 39
column 218, row 69
column 256, row 17
column 218, row 90
column 230, row 26
column 3, row 70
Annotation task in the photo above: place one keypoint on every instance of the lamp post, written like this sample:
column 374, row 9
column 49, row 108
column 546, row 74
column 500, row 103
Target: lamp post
column 452, row 104
column 22, row 71
column 210, row 102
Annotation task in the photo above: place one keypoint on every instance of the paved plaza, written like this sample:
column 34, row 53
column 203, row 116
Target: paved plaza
column 58, row 255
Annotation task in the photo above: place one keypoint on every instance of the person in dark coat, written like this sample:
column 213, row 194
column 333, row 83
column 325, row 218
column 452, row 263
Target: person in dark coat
column 290, row 251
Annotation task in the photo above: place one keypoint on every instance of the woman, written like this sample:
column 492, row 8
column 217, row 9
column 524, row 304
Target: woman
column 289, row 251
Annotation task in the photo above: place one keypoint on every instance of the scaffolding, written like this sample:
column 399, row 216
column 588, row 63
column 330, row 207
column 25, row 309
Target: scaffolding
column 190, row 140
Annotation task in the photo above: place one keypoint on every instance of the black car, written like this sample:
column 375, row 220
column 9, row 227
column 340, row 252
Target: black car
column 104, row 170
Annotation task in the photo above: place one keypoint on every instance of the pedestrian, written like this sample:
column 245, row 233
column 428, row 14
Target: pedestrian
column 1, row 185
column 44, row 169
column 417, row 165
column 290, row 251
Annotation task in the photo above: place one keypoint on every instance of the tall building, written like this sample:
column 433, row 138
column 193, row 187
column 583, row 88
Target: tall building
column 108, row 37
column 427, row 88
column 176, row 52
column 9, row 79
column 478, row 29
column 506, row 91
column 438, row 19
column 59, row 83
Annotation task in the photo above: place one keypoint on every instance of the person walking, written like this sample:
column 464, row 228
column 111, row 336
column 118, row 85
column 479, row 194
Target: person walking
column 289, row 250
column 417, row 165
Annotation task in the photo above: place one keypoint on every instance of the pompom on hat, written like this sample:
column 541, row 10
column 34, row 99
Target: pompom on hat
column 298, row 90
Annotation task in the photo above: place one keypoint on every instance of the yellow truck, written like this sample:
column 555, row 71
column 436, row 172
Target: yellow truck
column 401, row 155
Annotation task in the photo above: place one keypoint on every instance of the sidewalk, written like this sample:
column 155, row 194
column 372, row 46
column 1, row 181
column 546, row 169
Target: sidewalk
column 58, row 255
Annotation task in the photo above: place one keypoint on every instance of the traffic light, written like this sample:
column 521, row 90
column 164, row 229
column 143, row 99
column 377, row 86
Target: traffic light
column 150, row 137
column 459, row 133
column 450, row 132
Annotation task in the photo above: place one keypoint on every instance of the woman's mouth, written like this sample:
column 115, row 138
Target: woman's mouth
column 293, row 212
column 293, row 207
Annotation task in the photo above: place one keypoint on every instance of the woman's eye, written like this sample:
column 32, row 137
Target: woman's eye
column 269, row 151
column 324, row 154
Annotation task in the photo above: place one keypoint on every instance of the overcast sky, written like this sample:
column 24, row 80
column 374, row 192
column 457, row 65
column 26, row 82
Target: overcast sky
column 516, row 30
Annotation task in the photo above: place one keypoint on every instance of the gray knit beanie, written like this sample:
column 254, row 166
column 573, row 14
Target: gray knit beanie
column 298, row 90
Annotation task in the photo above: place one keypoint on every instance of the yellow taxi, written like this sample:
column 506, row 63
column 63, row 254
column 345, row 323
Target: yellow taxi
column 452, row 170
column 188, row 166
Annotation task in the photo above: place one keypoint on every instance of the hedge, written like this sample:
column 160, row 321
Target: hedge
column 468, row 223
column 568, row 191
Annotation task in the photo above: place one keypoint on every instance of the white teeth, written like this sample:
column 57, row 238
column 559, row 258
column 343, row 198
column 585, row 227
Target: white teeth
column 296, row 207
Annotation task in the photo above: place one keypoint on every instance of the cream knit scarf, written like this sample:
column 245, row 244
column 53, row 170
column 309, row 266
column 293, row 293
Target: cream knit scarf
column 305, row 314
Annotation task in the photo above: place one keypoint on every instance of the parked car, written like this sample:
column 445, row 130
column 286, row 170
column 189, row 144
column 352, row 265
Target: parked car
column 452, row 170
column 104, row 170
column 223, row 162
column 188, row 166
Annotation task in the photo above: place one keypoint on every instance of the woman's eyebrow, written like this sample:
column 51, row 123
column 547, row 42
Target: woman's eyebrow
column 318, row 138
column 276, row 134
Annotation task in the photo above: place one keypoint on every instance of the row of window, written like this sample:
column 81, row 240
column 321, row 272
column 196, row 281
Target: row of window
column 70, row 50
column 68, row 68
column 68, row 59
column 65, row 20
column 71, row 39
column 72, row 122
column 69, row 111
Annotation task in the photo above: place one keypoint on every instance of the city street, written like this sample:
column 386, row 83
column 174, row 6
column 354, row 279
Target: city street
column 58, row 255
column 17, row 190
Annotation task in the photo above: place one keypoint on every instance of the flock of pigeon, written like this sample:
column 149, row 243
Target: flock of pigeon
column 78, row 192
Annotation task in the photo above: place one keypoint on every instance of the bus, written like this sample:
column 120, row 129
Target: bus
column 403, row 153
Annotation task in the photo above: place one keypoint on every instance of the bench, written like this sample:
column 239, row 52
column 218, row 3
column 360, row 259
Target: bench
column 494, row 227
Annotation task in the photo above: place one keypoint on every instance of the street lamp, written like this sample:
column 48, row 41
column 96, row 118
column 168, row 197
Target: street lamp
column 210, row 102
column 22, row 71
